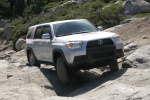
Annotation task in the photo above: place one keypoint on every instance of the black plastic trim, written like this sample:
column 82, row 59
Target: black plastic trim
column 60, row 51
column 29, row 48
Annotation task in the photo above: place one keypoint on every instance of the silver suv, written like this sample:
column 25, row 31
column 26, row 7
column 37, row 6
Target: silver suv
column 72, row 45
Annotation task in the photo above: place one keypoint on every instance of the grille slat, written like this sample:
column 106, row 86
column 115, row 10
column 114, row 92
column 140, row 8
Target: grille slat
column 102, row 54
column 106, row 42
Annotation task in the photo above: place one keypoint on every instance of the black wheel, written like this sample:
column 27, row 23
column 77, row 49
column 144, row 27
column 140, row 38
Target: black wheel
column 114, row 65
column 32, row 60
column 62, row 70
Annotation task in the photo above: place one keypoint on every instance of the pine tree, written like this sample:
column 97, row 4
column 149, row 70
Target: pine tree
column 12, row 2
column 28, row 2
column 19, row 7
column 38, row 6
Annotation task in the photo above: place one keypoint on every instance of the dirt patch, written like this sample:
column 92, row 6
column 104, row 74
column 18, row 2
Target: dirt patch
column 137, row 31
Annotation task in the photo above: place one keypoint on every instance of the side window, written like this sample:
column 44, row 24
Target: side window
column 38, row 33
column 29, row 33
column 46, row 29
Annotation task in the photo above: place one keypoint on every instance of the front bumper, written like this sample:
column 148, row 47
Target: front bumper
column 97, row 57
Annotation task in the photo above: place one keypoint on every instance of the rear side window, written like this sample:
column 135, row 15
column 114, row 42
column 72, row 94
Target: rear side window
column 38, row 33
column 29, row 33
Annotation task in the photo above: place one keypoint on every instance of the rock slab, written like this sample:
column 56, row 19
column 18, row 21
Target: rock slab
column 135, row 6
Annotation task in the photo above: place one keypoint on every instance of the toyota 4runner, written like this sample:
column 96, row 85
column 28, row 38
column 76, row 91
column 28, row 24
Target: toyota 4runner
column 72, row 45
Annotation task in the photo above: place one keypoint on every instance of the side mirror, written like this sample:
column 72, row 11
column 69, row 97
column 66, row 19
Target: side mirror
column 100, row 28
column 46, row 36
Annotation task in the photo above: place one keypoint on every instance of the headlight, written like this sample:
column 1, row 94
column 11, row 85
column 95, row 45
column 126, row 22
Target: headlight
column 116, row 38
column 74, row 44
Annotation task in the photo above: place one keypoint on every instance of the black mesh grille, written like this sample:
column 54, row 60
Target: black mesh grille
column 106, row 42
column 102, row 54
column 119, row 51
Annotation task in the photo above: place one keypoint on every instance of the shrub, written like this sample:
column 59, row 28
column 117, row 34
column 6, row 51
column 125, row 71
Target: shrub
column 110, row 15
column 94, row 11
column 142, row 15
column 1, row 32
column 5, row 8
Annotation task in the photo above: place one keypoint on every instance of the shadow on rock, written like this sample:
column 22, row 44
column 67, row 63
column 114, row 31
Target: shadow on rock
column 105, row 77
column 85, row 79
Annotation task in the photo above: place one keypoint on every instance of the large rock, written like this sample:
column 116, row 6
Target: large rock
column 32, row 90
column 4, row 64
column 125, row 84
column 127, row 64
column 19, row 57
column 130, row 47
column 140, row 58
column 19, row 45
column 135, row 6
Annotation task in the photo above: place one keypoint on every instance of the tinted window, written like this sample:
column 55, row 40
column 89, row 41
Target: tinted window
column 29, row 33
column 38, row 33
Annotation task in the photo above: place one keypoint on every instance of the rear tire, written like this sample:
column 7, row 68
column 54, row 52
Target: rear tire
column 62, row 70
column 114, row 65
column 32, row 60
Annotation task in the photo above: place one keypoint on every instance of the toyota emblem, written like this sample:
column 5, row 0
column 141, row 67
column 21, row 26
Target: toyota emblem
column 100, row 42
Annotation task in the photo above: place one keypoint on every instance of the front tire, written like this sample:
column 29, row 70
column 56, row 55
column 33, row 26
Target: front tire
column 32, row 60
column 114, row 65
column 62, row 70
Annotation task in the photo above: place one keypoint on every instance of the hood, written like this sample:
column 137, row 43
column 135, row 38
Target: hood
column 86, row 36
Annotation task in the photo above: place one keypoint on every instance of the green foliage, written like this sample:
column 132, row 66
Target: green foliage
column 110, row 15
column 38, row 6
column 17, row 21
column 5, row 9
column 53, row 3
column 142, row 15
column 19, row 7
column 97, row 12
column 19, row 30
column 1, row 32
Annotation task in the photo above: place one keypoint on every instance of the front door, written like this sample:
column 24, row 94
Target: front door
column 37, row 43
column 47, row 45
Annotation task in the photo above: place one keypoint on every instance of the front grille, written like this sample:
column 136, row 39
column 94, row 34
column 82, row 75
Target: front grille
column 106, row 42
column 102, row 54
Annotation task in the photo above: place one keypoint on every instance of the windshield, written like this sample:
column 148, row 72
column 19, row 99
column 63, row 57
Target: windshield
column 73, row 27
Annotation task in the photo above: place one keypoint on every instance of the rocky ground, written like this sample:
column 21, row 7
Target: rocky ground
column 18, row 81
